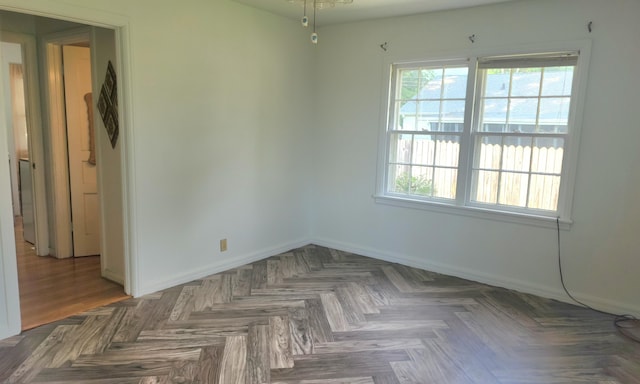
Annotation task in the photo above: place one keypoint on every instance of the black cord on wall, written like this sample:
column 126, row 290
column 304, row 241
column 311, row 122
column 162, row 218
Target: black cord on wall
column 622, row 322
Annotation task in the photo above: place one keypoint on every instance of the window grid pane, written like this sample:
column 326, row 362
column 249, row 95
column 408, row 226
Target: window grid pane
column 445, row 182
column 408, row 84
column 430, row 83
column 396, row 175
column 424, row 148
column 547, row 156
column 486, row 187
column 521, row 171
column 430, row 99
column 516, row 153
column 400, row 148
column 423, row 165
column 544, row 192
column 447, row 152
column 513, row 189
column 526, row 83
column 421, row 181
column 557, row 81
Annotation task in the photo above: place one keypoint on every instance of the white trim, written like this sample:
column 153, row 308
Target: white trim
column 35, row 133
column 125, row 93
column 113, row 276
column 96, row 82
column 53, row 104
column 602, row 304
column 227, row 264
column 475, row 212
column 36, row 146
column 578, row 99
column 67, row 12
column 9, row 315
column 466, row 146
column 385, row 100
column 68, row 37
column 53, row 97
column 14, row 159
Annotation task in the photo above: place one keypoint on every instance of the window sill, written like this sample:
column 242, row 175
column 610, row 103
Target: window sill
column 476, row 212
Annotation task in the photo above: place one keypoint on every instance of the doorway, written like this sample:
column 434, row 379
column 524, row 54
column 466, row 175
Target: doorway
column 87, row 177
column 83, row 179
column 17, row 138
column 74, row 179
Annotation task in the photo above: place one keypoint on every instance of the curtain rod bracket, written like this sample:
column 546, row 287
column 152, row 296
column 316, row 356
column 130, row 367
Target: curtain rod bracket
column 472, row 38
column 590, row 26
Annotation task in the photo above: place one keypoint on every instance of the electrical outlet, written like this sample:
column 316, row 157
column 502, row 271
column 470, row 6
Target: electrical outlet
column 223, row 245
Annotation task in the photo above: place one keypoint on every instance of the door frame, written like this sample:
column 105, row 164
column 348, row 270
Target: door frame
column 54, row 107
column 14, row 160
column 35, row 138
column 10, row 308
column 10, row 323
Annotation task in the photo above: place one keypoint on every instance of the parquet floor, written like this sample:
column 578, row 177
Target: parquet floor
column 316, row 315
column 53, row 289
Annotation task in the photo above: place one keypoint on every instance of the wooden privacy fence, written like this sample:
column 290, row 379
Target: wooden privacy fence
column 517, row 175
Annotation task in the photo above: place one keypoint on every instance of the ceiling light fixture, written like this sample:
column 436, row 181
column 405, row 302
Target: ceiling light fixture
column 317, row 5
column 322, row 4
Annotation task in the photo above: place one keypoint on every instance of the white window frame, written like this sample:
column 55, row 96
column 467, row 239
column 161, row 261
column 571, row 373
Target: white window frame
column 463, row 204
column 391, row 117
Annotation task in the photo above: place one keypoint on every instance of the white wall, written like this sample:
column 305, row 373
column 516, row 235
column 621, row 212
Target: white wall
column 601, row 251
column 110, row 176
column 20, row 24
column 220, row 94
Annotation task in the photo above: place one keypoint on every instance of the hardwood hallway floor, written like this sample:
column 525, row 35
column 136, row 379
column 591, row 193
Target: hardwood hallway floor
column 319, row 316
column 53, row 289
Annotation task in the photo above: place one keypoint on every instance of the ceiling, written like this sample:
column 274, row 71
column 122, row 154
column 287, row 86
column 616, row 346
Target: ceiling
column 364, row 9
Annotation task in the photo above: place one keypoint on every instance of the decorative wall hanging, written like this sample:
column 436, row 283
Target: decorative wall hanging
column 108, row 105
column 88, row 99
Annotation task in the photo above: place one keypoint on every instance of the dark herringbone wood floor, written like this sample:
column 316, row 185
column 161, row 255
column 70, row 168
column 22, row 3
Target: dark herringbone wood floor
column 315, row 315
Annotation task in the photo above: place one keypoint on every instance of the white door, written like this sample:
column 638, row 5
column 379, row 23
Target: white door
column 82, row 174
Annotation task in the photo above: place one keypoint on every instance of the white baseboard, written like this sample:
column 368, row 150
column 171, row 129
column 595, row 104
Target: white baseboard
column 223, row 265
column 603, row 304
column 9, row 330
column 599, row 303
column 6, row 333
column 110, row 275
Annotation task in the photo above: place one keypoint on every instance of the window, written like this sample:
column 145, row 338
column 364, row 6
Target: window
column 426, row 131
column 487, row 133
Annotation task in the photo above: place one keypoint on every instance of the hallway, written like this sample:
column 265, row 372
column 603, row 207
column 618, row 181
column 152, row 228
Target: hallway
column 52, row 289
